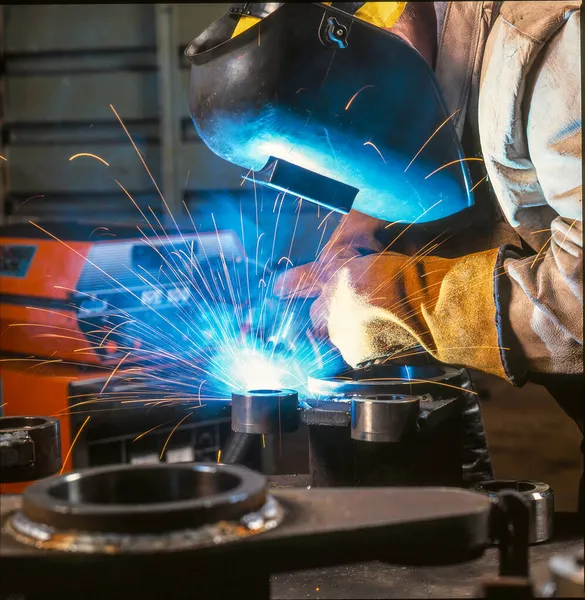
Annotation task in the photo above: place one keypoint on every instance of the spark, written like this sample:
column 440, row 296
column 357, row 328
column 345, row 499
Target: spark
column 90, row 155
column 73, row 444
column 98, row 229
column 173, row 431
column 145, row 167
column 549, row 240
column 478, row 183
column 432, row 136
column 376, row 149
column 114, row 372
column 3, row 158
column 149, row 431
column 263, row 441
column 356, row 95
column 31, row 198
column 459, row 160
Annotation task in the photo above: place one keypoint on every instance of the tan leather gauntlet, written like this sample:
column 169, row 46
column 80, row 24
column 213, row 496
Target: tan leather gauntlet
column 446, row 305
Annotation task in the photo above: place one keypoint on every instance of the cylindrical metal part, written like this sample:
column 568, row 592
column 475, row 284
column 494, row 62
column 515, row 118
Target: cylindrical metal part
column 144, row 499
column 379, row 380
column 30, row 448
column 539, row 497
column 237, row 448
column 385, row 418
column 265, row 411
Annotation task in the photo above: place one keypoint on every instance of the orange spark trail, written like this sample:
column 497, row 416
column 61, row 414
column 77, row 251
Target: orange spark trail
column 147, row 432
column 173, row 431
column 90, row 155
column 480, row 181
column 356, row 95
column 452, row 163
column 73, row 444
column 432, row 136
column 547, row 241
column 147, row 170
column 219, row 456
column 376, row 149
column 3, row 158
column 114, row 372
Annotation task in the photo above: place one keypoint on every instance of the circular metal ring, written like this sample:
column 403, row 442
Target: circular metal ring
column 384, row 418
column 30, row 448
column 539, row 497
column 377, row 380
column 265, row 411
column 145, row 498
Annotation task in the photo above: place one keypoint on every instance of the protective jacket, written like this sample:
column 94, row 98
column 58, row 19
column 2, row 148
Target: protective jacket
column 511, row 73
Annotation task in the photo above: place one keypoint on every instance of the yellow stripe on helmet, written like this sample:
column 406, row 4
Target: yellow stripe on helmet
column 380, row 14
column 244, row 23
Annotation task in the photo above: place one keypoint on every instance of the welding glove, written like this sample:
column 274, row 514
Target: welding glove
column 372, row 305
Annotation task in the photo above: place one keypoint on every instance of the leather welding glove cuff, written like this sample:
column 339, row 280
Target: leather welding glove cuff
column 446, row 305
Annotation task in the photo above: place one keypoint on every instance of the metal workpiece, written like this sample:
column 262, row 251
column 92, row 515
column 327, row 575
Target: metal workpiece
column 265, row 411
column 538, row 496
column 142, row 499
column 112, row 531
column 385, row 418
column 30, row 448
column 383, row 379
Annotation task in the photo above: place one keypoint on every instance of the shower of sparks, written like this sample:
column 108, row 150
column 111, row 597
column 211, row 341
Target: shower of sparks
column 220, row 331
column 73, row 444
column 91, row 156
column 356, row 95
column 376, row 149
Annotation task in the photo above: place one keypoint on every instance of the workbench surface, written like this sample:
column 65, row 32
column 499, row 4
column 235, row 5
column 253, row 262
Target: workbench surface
column 379, row 580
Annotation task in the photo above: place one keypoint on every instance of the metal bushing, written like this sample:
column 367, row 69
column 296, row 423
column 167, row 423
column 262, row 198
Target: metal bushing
column 539, row 497
column 385, row 418
column 144, row 499
column 377, row 380
column 265, row 411
column 30, row 448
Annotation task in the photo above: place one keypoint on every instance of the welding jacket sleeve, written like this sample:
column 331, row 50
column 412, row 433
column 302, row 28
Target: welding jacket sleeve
column 530, row 127
column 506, row 311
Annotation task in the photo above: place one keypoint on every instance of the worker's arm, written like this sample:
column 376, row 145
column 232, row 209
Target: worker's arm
column 532, row 148
column 459, row 309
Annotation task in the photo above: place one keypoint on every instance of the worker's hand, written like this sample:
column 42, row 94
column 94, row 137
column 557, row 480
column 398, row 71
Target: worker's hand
column 357, row 234
column 365, row 307
column 383, row 303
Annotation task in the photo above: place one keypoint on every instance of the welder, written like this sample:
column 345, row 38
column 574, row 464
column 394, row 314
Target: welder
column 505, row 294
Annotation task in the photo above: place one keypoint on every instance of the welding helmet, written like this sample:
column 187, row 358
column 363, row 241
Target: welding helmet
column 323, row 101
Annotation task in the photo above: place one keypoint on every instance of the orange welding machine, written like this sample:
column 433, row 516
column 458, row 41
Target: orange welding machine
column 63, row 285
